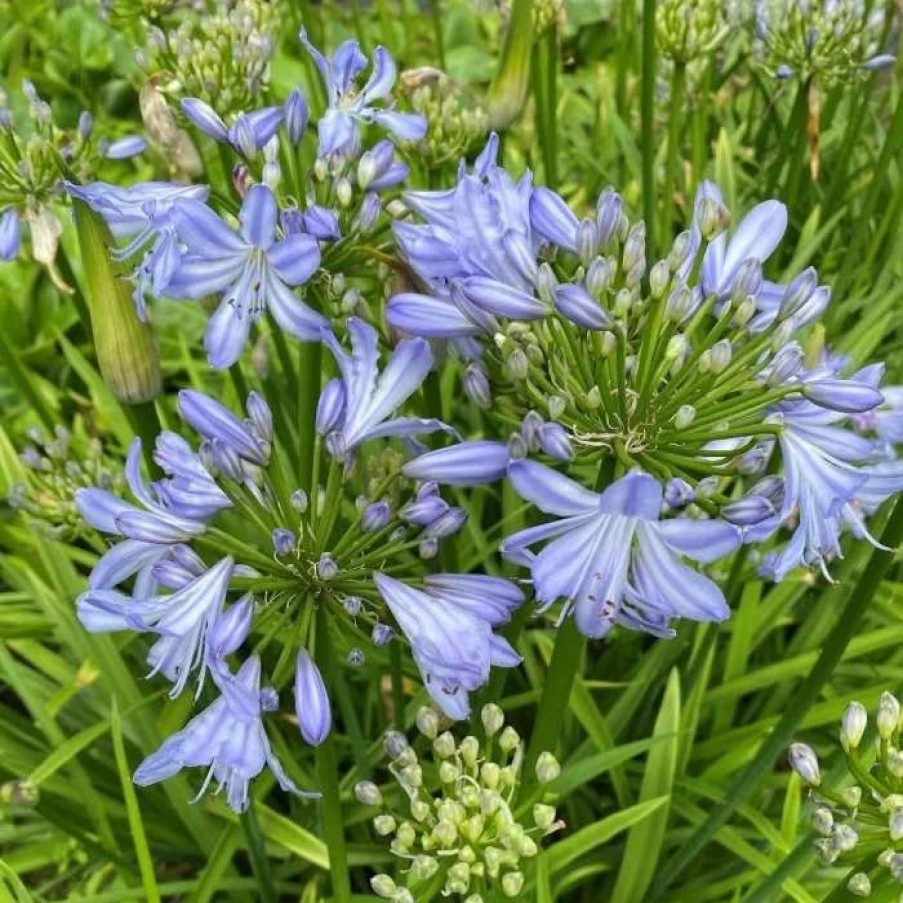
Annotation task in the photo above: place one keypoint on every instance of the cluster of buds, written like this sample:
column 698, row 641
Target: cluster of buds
column 865, row 818
column 823, row 40
column 457, row 122
column 56, row 468
column 221, row 57
column 36, row 154
column 687, row 32
column 455, row 824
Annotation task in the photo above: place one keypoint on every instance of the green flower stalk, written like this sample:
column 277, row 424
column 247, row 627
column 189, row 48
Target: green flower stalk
column 126, row 352
column 508, row 91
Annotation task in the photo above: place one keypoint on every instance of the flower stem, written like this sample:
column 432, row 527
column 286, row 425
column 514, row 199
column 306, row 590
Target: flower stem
column 328, row 780
column 647, row 135
column 257, row 854
column 563, row 667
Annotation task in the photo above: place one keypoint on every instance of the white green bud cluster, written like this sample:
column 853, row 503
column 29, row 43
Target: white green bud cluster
column 687, row 32
column 830, row 42
column 220, row 56
column 455, row 816
column 456, row 122
column 868, row 812
column 55, row 469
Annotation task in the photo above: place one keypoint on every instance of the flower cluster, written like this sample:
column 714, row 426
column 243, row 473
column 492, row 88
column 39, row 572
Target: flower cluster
column 866, row 816
column 221, row 56
column 454, row 821
column 686, row 375
column 328, row 562
column 57, row 468
column 827, row 40
column 36, row 155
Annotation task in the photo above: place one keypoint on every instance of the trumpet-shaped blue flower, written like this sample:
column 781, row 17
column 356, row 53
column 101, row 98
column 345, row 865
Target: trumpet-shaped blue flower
column 172, row 511
column 142, row 215
column 612, row 558
column 368, row 398
column 249, row 439
column 228, row 738
column 183, row 620
column 250, row 267
column 349, row 106
column 250, row 131
column 450, row 627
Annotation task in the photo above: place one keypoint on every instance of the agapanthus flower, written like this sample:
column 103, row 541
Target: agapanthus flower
column 362, row 404
column 183, row 620
column 172, row 511
column 350, row 106
column 247, row 134
column 450, row 629
column 611, row 556
column 228, row 738
column 252, row 269
column 10, row 234
column 142, row 215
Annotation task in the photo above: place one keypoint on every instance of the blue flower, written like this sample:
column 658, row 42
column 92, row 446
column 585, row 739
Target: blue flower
column 311, row 700
column 250, row 131
column 449, row 628
column 228, row 737
column 612, row 558
column 465, row 464
column 249, row 439
column 339, row 129
column 172, row 511
column 368, row 398
column 183, row 620
column 10, row 234
column 251, row 268
column 142, row 214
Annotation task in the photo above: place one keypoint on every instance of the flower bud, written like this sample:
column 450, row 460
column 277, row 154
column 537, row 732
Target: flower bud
column 383, row 886
column 375, row 516
column 331, row 406
column 493, row 719
column 805, row 763
column 344, row 192
column 311, row 700
column 547, row 768
column 420, row 810
column 231, row 628
column 543, row 816
column 424, row 867
column 368, row 793
column 721, row 356
column 126, row 351
column 895, row 825
column 427, row 722
column 512, row 883
column 509, row 739
column 659, row 278
column 798, row 292
column 299, row 501
column 326, row 567
column 678, row 493
column 381, row 635
column 685, row 415
column 888, row 715
column 852, row 726
column 785, row 365
column 844, row 838
column 555, row 442
column 679, row 250
column 859, row 885
column 449, row 772
column 517, row 364
column 823, row 821
column 598, row 277
column 851, row 796
column 296, row 116
column 458, row 878
column 283, row 541
column 476, row 385
column 469, row 750
column 444, row 745
column 395, row 743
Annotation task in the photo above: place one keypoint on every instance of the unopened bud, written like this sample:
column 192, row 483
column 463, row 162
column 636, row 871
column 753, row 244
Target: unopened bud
column 859, row 885
column 383, row 886
column 685, row 415
column 823, row 821
column 509, row 739
column 805, row 763
column 444, row 745
column 493, row 718
column 547, row 768
column 427, row 722
column 659, row 279
column 543, row 816
column 368, row 793
column 512, row 883
column 888, row 715
column 852, row 726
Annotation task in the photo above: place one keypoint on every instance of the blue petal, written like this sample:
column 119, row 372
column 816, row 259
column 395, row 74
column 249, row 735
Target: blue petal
column 295, row 259
column 214, row 421
column 465, row 464
column 204, row 233
column 226, row 334
column 405, row 126
column 124, row 560
column 502, row 300
column 311, row 700
column 430, row 317
column 757, row 236
column 550, row 491
column 258, row 216
column 292, row 314
column 337, row 131
column 701, row 540
column 382, row 78
column 10, row 234
column 205, row 118
column 100, row 508
column 551, row 217
column 634, row 495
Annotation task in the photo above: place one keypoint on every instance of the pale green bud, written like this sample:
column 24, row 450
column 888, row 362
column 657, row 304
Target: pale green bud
column 517, row 363
column 490, row 802
column 424, row 867
column 383, row 885
column 509, row 739
column 458, row 879
column 685, row 415
column 428, row 722
column 489, row 775
column 470, row 750
column 543, row 816
column 852, row 726
column 659, row 278
column 395, row 743
column 420, row 810
column 449, row 772
column 472, row 829
column 444, row 745
column 412, row 776
column 851, row 796
column 467, row 854
column 344, row 192
column 679, row 250
column 623, row 303
column 594, row 397
column 469, row 796
column 512, row 883
column 823, row 820
column 384, row 825
column 844, row 838
column 474, row 898
column 677, row 349
column 805, row 763
column 547, row 768
column 494, row 858
column 403, row 895
column 556, row 406
column 744, row 311
column 406, row 835
column 859, row 885
column 508, row 776
column 894, row 762
column 888, row 715
column 721, row 356
column 452, row 811
column 546, row 283
column 609, row 343
column 368, row 793
column 445, row 833
column 895, row 825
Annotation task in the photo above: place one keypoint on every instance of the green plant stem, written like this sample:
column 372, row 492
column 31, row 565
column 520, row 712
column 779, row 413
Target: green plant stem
column 146, row 424
column 675, row 120
column 563, row 667
column 308, row 395
column 852, row 611
column 545, row 93
column 266, row 887
column 328, row 780
column 436, row 14
column 647, row 131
